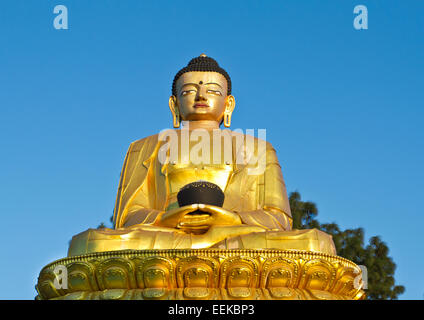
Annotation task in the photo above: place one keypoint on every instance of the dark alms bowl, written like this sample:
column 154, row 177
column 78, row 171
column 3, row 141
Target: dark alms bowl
column 201, row 192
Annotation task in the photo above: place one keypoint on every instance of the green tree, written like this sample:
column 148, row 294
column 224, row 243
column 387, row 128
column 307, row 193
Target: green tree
column 103, row 225
column 350, row 245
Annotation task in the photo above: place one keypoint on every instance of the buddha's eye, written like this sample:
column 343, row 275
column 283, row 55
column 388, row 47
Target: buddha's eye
column 186, row 92
column 218, row 93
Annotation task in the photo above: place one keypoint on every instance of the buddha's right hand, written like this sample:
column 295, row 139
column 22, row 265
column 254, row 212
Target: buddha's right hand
column 207, row 216
column 172, row 218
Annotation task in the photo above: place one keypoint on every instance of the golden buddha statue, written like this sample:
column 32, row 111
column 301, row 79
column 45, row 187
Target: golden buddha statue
column 256, row 211
column 240, row 248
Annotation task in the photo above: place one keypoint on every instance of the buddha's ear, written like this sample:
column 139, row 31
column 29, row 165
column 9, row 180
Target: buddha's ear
column 230, row 103
column 173, row 106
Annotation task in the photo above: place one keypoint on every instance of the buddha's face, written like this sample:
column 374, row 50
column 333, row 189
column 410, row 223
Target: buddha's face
column 202, row 96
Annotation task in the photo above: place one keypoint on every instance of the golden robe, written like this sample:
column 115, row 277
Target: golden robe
column 259, row 200
column 149, row 186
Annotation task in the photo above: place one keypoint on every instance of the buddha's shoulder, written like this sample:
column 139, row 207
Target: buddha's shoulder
column 144, row 143
column 258, row 140
column 150, row 142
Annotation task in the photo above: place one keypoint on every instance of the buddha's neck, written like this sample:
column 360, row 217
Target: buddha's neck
column 200, row 124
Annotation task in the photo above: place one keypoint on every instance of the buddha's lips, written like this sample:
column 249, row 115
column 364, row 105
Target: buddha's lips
column 201, row 105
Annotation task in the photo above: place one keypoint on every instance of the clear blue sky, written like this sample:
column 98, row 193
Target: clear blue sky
column 343, row 108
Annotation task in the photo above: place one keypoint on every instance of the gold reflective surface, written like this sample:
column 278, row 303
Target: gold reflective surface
column 204, row 274
column 242, row 250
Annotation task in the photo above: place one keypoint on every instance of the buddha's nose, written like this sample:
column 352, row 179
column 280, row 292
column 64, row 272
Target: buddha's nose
column 200, row 96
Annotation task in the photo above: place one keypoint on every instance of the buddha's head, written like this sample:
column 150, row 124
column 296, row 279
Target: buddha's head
column 202, row 91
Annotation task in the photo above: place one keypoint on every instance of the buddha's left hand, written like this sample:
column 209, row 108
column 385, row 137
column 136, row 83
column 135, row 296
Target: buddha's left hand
column 212, row 216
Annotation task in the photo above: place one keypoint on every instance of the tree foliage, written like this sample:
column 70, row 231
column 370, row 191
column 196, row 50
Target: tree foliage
column 102, row 225
column 350, row 245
